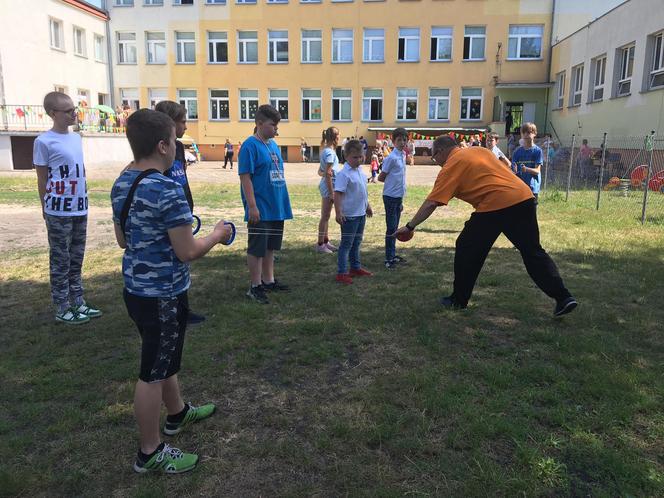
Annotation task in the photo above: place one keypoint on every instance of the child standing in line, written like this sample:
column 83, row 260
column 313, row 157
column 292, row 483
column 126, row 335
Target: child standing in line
column 374, row 168
column 351, row 204
column 63, row 192
column 527, row 159
column 394, row 177
column 329, row 165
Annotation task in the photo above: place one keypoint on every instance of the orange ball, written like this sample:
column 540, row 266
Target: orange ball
column 405, row 236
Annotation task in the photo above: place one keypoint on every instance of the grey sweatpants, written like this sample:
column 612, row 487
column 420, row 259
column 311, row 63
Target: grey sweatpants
column 66, row 238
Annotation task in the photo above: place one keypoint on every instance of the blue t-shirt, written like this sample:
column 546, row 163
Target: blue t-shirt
column 263, row 162
column 149, row 266
column 530, row 158
column 179, row 174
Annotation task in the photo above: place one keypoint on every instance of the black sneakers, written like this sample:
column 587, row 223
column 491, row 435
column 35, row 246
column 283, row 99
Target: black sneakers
column 275, row 286
column 450, row 303
column 194, row 318
column 565, row 306
column 258, row 294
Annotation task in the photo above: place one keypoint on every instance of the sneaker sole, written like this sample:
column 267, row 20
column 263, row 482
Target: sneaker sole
column 69, row 322
column 249, row 296
column 569, row 307
column 173, row 432
column 143, row 470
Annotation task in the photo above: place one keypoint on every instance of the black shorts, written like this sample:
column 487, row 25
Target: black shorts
column 264, row 236
column 161, row 321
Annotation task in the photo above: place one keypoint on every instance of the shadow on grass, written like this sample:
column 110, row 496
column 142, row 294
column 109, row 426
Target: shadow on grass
column 364, row 389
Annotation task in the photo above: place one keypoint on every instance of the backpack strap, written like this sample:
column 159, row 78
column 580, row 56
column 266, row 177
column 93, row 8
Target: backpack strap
column 124, row 214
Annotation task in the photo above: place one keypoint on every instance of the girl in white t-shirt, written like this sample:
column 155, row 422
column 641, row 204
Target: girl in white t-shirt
column 329, row 165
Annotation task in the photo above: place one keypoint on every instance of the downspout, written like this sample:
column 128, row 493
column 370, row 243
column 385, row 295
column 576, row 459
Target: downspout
column 109, row 52
column 548, row 73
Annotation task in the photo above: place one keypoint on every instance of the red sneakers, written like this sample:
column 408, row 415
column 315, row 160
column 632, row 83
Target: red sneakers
column 360, row 272
column 344, row 278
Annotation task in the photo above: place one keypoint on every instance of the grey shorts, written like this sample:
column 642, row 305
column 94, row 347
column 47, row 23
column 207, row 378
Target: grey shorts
column 264, row 236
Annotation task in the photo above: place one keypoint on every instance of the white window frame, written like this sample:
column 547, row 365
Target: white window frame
column 657, row 62
column 408, row 40
column 624, row 79
column 368, row 100
column 187, row 100
column 60, row 88
column 152, row 45
column 340, row 41
column 242, row 45
column 215, row 2
column 305, row 46
column 179, row 2
column 576, row 85
column 276, row 100
column 447, row 36
column 277, row 1
column 472, row 39
column 82, row 92
column 310, row 1
column 310, row 100
column 245, row 2
column 519, row 37
column 341, row 98
column 247, row 100
column 212, row 46
column 129, row 96
column 368, row 43
column 274, row 38
column 599, row 78
column 469, row 99
column 404, row 97
column 126, row 48
column 156, row 95
column 219, row 100
column 153, row 3
column 181, row 47
column 434, row 102
column 123, row 3
column 56, row 35
column 80, row 45
column 99, row 48
column 560, row 89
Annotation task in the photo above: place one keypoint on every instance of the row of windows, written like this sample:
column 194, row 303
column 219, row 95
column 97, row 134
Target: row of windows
column 80, row 41
column 311, row 103
column 524, row 42
column 623, row 74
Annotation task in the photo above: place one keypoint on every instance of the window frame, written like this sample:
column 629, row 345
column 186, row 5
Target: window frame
column 656, row 62
column 471, row 37
column 244, row 42
column 338, row 44
column 626, row 54
column 101, row 55
column 560, row 89
column 184, row 100
column 520, row 37
column 469, row 104
column 598, row 79
column 219, row 101
column 85, row 93
column 123, row 3
column 212, row 46
column 150, row 46
column 438, row 39
column 153, row 3
column 341, row 99
column 406, row 39
column 152, row 100
column 181, row 45
column 438, row 98
column 215, row 2
column 273, row 47
column 369, row 99
column 125, row 46
column 52, row 21
column 247, row 101
column 576, row 85
column 402, row 104
column 83, row 48
column 310, row 100
column 276, row 101
column 371, row 40
column 308, row 41
column 132, row 101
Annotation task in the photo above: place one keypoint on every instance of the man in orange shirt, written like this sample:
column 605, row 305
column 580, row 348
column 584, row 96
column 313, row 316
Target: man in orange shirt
column 503, row 204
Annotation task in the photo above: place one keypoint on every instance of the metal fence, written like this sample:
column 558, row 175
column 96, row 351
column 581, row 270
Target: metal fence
column 622, row 174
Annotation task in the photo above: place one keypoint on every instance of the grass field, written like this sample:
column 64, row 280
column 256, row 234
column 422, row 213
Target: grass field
column 365, row 390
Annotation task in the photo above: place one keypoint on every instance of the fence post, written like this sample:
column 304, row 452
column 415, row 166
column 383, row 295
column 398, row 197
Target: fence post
column 546, row 160
column 650, row 144
column 569, row 172
column 600, row 178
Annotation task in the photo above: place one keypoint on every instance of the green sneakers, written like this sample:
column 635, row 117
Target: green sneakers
column 87, row 310
column 194, row 414
column 71, row 317
column 169, row 461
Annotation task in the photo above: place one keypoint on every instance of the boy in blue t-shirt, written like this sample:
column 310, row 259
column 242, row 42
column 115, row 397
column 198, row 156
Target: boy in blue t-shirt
column 158, row 241
column 266, row 202
column 527, row 160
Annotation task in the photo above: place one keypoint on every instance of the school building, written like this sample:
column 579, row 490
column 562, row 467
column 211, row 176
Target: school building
column 364, row 66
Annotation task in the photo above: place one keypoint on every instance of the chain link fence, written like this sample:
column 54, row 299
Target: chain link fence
column 624, row 175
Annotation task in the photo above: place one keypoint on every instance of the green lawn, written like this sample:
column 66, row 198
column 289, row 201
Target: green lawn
column 366, row 390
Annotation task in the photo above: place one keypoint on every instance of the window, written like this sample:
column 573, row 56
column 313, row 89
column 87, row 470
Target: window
column 99, row 48
column 311, row 105
column 525, row 42
column 312, row 46
column 279, row 100
column 473, row 43
column 55, row 28
column 219, row 105
column 156, row 47
column 277, row 1
column 599, row 70
column 560, row 90
column 79, row 42
column 441, row 44
column 153, row 2
column 60, row 88
column 406, row 104
column 126, row 48
column 247, row 47
column 310, row 1
column 471, row 104
column 215, row 2
column 577, row 85
column 82, row 97
column 373, row 45
column 189, row 99
column 217, row 47
column 124, row 3
column 342, row 45
column 409, row 44
column 185, row 43
column 277, row 44
column 103, row 99
column 625, row 58
column 372, row 104
column 248, row 104
column 245, row 1
column 342, row 103
column 129, row 97
column 183, row 2
column 657, row 66
column 156, row 95
column 439, row 104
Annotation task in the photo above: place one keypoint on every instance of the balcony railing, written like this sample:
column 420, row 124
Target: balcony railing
column 31, row 118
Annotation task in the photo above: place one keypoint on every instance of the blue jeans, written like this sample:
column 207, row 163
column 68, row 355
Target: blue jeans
column 392, row 217
column 351, row 237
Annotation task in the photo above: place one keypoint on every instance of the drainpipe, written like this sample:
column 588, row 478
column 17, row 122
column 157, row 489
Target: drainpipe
column 109, row 53
column 548, row 72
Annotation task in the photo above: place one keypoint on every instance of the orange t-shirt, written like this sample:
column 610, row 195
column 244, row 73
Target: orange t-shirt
column 477, row 177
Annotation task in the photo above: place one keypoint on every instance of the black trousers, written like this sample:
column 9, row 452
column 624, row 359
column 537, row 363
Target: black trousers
column 519, row 224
